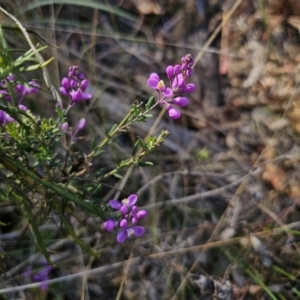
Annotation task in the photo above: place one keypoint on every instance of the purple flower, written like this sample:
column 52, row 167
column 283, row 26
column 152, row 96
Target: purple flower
column 177, row 76
column 27, row 89
column 155, row 83
column 74, row 87
column 40, row 276
column 5, row 118
column 43, row 276
column 130, row 216
column 21, row 89
column 130, row 231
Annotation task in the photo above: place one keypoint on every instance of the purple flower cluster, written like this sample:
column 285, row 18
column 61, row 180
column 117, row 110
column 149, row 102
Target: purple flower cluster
column 130, row 216
column 40, row 276
column 74, row 86
column 178, row 76
column 21, row 90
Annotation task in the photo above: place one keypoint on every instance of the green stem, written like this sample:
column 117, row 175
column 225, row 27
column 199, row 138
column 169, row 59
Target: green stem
column 123, row 124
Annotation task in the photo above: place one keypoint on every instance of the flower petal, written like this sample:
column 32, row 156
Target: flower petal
column 115, row 204
column 168, row 92
column 20, row 88
column 141, row 214
column 132, row 200
column 138, row 230
column 81, row 124
column 76, row 96
column 153, row 82
column 84, row 84
column 154, row 76
column 34, row 87
column 122, row 236
column 22, row 107
column 86, row 96
column 63, row 91
column 178, row 81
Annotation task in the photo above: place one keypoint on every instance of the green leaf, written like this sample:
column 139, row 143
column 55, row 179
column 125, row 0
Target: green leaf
column 112, row 129
column 144, row 164
column 27, row 56
column 3, row 40
column 59, row 111
column 98, row 152
column 118, row 176
column 33, row 67
column 142, row 143
column 94, row 144
column 135, row 148
column 150, row 102
column 97, row 189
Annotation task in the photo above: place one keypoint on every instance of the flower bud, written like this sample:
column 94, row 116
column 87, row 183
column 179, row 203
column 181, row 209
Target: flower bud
column 109, row 225
column 170, row 72
column 189, row 88
column 177, row 69
column 173, row 113
column 81, row 124
column 180, row 101
column 123, row 223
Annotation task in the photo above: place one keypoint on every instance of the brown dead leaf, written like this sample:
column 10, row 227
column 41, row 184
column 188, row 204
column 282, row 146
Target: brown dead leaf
column 275, row 175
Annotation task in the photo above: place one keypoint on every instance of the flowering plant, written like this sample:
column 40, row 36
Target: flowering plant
column 39, row 174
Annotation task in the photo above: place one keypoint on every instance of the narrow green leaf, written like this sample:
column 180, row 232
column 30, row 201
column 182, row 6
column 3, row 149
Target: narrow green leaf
column 118, row 176
column 97, row 189
column 144, row 164
column 27, row 55
column 33, row 67
column 3, row 40
column 142, row 143
column 112, row 129
column 150, row 102
column 135, row 148
column 98, row 152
